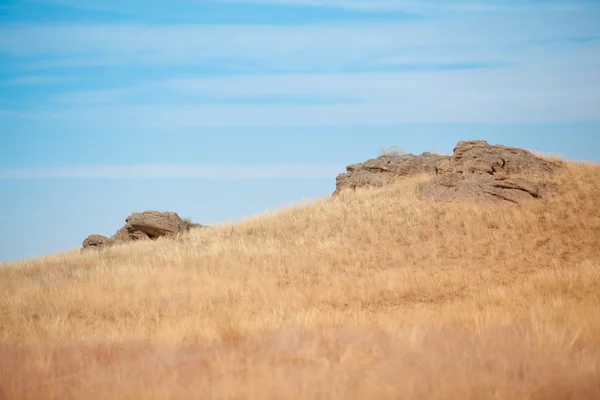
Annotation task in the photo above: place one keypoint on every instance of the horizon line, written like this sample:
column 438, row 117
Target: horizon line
column 219, row 172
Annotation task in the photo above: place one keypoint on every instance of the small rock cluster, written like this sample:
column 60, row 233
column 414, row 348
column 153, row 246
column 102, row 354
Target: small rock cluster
column 475, row 171
column 142, row 226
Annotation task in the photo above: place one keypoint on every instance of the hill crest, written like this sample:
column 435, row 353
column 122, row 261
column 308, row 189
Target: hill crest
column 377, row 292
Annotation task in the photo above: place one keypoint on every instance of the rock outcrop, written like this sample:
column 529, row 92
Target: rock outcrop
column 479, row 157
column 475, row 171
column 143, row 226
column 479, row 171
column 97, row 241
column 156, row 224
column 383, row 170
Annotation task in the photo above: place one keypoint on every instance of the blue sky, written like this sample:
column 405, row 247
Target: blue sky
column 219, row 109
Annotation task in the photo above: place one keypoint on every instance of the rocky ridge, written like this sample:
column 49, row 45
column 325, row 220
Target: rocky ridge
column 475, row 171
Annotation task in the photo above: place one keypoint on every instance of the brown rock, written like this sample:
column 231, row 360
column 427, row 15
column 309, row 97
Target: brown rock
column 121, row 235
column 383, row 170
column 124, row 235
column 479, row 171
column 139, row 235
column 479, row 157
column 144, row 226
column 155, row 224
column 475, row 171
column 454, row 187
column 97, row 242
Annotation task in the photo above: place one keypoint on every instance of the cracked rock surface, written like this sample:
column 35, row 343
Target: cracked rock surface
column 475, row 171
column 97, row 241
column 384, row 170
column 480, row 171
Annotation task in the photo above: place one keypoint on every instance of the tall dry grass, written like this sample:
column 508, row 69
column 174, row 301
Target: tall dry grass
column 376, row 293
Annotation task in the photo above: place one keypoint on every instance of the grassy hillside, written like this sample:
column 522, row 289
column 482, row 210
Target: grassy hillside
column 374, row 294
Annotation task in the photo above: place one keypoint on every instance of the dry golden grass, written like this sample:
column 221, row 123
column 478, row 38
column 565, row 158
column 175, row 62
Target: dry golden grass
column 374, row 294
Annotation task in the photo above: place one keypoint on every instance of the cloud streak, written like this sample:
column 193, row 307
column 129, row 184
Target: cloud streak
column 424, row 7
column 427, row 7
column 544, row 67
column 487, row 95
column 33, row 80
column 471, row 85
column 242, row 48
column 203, row 172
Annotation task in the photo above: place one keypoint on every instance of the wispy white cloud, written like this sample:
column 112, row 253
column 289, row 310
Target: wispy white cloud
column 530, row 70
column 32, row 80
column 97, row 96
column 207, row 172
column 311, row 47
column 395, row 86
column 487, row 95
column 191, row 44
column 428, row 6
column 484, row 106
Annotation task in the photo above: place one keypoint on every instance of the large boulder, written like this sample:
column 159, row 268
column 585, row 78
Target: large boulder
column 97, row 242
column 383, row 170
column 480, row 171
column 156, row 224
column 479, row 157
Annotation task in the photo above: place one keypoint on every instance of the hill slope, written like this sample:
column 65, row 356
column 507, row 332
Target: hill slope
column 375, row 293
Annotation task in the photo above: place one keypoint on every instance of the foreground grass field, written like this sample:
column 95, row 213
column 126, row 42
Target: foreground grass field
column 373, row 294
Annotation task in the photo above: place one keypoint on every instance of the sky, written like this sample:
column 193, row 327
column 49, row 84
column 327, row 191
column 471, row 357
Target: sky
column 222, row 109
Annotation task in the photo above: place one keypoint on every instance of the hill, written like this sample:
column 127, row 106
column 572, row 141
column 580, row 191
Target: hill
column 378, row 292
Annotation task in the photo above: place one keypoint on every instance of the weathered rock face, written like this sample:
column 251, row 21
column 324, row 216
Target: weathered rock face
column 475, row 171
column 128, row 234
column 156, row 224
column 479, row 171
column 383, row 170
column 97, row 241
column 452, row 187
column 143, row 226
column 479, row 157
